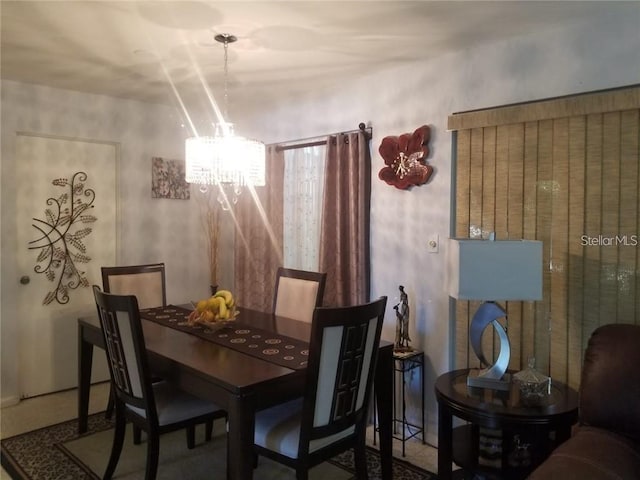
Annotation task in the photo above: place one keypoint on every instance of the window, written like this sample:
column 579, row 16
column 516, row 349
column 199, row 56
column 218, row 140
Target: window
column 303, row 190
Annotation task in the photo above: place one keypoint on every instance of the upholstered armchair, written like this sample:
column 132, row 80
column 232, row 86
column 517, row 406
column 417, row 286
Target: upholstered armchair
column 606, row 444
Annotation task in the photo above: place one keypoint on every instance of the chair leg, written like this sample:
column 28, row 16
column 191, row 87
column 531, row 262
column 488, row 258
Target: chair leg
column 304, row 474
column 110, row 403
column 208, row 432
column 118, row 441
column 153, row 452
column 360, row 458
column 137, row 435
column 191, row 437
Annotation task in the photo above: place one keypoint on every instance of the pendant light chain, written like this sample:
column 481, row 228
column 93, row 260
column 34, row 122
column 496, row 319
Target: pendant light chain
column 226, row 78
column 226, row 39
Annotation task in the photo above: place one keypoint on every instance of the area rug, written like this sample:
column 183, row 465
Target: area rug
column 58, row 452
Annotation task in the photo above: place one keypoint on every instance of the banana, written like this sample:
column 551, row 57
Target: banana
column 220, row 306
column 212, row 303
column 223, row 313
column 201, row 306
column 228, row 297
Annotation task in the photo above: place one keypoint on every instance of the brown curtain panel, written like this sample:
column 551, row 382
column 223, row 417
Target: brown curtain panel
column 258, row 241
column 344, row 237
column 563, row 171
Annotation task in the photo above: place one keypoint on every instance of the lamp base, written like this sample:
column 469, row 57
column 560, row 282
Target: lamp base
column 476, row 379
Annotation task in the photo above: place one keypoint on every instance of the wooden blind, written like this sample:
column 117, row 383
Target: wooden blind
column 563, row 171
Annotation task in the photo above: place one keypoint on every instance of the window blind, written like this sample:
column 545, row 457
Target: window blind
column 563, row 171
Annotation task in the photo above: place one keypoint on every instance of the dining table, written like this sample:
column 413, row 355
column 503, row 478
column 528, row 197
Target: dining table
column 245, row 365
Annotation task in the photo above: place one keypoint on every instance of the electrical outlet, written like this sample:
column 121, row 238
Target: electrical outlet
column 433, row 243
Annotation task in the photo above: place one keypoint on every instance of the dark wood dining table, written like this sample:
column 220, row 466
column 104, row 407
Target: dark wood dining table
column 238, row 382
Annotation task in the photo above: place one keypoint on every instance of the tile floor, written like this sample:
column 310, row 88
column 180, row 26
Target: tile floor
column 58, row 407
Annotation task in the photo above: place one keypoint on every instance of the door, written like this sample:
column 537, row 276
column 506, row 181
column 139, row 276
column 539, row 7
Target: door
column 66, row 209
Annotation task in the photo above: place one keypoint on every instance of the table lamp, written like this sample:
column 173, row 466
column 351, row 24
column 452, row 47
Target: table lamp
column 493, row 270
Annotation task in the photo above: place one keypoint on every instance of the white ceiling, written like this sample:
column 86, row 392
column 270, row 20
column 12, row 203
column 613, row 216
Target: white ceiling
column 163, row 50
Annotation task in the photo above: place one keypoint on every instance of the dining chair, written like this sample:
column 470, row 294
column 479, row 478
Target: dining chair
column 298, row 293
column 156, row 408
column 147, row 282
column 331, row 416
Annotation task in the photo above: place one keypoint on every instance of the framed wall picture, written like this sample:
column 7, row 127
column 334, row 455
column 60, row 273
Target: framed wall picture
column 167, row 179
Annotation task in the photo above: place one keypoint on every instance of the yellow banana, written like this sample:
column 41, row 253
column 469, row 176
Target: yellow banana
column 201, row 306
column 228, row 297
column 212, row 304
column 217, row 307
column 222, row 309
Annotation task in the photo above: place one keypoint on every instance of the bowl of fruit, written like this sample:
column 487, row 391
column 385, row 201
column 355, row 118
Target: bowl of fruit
column 220, row 307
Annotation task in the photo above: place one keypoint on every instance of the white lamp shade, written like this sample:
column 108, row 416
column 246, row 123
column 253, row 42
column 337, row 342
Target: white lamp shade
column 497, row 270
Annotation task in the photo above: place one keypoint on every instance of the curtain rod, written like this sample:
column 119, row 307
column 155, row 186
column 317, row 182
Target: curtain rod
column 321, row 140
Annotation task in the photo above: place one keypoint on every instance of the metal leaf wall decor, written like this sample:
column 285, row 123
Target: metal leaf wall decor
column 60, row 237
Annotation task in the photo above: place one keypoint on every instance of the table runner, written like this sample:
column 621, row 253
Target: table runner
column 263, row 344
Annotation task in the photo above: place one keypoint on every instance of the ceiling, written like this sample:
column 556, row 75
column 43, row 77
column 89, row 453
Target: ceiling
column 162, row 51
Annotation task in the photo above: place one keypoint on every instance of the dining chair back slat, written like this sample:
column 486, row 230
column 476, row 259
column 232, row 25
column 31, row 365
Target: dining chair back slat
column 298, row 293
column 147, row 282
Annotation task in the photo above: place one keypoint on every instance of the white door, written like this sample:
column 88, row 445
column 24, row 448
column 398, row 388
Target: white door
column 66, row 209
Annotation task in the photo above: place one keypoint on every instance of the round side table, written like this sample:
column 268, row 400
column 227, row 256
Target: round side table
column 547, row 425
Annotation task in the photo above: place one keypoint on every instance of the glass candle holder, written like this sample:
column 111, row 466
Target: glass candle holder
column 534, row 386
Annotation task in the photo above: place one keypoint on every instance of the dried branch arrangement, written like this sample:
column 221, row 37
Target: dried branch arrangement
column 209, row 214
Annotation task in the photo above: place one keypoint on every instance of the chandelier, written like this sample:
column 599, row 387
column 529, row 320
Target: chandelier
column 225, row 160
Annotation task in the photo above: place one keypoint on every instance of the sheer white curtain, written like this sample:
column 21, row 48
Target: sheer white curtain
column 303, row 190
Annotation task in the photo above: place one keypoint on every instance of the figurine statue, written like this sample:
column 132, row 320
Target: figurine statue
column 402, row 323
